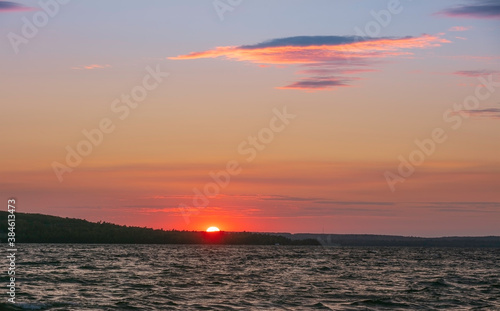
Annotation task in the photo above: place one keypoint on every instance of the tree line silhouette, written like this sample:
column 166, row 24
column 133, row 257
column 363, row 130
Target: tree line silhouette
column 38, row 228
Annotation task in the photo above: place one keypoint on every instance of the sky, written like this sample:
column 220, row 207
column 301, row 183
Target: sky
column 379, row 117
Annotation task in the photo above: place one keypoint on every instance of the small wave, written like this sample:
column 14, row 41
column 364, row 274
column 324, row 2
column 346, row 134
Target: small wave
column 439, row 282
column 87, row 267
column 32, row 306
column 387, row 302
column 38, row 263
column 264, row 278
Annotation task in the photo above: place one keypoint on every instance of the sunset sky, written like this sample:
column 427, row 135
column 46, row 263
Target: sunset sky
column 278, row 116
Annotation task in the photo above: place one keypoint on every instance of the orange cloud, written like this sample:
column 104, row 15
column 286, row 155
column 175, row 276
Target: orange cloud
column 150, row 194
column 90, row 67
column 343, row 52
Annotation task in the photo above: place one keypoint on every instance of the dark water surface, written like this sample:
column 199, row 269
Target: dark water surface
column 185, row 277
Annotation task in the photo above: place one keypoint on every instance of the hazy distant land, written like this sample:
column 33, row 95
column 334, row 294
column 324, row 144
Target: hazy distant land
column 38, row 228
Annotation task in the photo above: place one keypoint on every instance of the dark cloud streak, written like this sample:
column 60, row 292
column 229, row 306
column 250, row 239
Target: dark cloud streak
column 475, row 73
column 318, row 83
column 477, row 9
column 8, row 6
column 307, row 41
column 489, row 113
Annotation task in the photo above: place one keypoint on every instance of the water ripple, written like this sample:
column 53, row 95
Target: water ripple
column 188, row 277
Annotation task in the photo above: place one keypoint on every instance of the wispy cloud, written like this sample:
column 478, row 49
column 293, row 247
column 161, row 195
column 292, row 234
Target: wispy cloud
column 475, row 73
column 336, row 54
column 327, row 70
column 488, row 113
column 476, row 9
column 317, row 83
column 482, row 58
column 319, row 200
column 459, row 28
column 8, row 6
column 90, row 67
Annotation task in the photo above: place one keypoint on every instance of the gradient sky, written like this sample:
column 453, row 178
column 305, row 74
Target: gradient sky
column 364, row 80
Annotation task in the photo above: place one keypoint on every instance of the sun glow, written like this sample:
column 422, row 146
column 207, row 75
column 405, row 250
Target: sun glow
column 213, row 229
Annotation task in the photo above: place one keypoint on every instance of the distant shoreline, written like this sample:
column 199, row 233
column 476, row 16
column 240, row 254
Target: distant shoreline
column 39, row 228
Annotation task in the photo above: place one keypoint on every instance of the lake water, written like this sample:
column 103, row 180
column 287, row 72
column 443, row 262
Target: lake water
column 185, row 277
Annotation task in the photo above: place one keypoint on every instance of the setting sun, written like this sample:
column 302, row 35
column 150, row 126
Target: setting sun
column 213, row 229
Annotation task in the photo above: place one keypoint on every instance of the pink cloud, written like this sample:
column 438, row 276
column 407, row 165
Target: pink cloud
column 332, row 54
column 334, row 71
column 354, row 47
